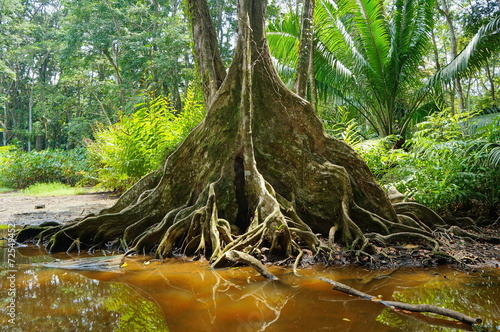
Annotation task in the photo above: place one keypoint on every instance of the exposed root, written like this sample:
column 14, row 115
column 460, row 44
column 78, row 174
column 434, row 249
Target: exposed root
column 36, row 232
column 76, row 243
column 472, row 236
column 297, row 262
column 420, row 214
column 196, row 229
column 404, row 237
column 134, row 194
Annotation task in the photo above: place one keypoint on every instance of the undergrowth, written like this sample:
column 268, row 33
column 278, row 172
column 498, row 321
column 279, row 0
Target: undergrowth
column 20, row 169
column 451, row 163
column 138, row 143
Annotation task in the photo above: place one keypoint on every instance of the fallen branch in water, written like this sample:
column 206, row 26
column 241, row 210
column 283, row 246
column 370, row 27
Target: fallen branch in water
column 238, row 256
column 404, row 306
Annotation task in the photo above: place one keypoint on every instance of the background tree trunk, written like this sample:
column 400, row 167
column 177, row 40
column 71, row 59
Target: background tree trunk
column 206, row 49
column 445, row 11
column 305, row 49
column 490, row 74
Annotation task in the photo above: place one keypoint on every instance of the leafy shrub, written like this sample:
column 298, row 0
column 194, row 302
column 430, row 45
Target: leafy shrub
column 450, row 162
column 19, row 169
column 380, row 156
column 138, row 143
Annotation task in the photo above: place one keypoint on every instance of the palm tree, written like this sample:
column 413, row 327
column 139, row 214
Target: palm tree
column 284, row 41
column 366, row 55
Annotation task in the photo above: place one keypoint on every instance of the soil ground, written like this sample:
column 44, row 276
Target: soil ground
column 31, row 210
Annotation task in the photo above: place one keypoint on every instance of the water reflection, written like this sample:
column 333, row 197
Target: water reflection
column 187, row 296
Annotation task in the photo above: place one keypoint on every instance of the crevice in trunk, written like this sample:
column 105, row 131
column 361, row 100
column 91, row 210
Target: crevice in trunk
column 243, row 216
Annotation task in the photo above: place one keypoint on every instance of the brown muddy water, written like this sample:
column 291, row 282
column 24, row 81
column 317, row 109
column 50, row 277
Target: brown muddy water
column 183, row 295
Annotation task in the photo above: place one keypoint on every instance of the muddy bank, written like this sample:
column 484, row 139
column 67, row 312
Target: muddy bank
column 32, row 210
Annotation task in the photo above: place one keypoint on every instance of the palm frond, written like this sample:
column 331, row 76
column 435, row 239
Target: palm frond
column 410, row 34
column 372, row 30
column 483, row 45
column 494, row 157
column 482, row 123
column 328, row 68
column 286, row 72
column 332, row 26
column 283, row 40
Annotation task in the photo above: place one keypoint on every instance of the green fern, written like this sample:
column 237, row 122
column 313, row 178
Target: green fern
column 138, row 143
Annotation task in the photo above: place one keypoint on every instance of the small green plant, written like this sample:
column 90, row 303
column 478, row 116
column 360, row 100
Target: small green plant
column 138, row 143
column 380, row 156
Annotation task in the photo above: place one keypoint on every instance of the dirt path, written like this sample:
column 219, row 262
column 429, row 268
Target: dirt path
column 23, row 210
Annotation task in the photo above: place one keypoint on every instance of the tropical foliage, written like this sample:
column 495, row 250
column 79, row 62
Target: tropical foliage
column 370, row 57
column 20, row 169
column 138, row 143
column 341, row 125
column 451, row 163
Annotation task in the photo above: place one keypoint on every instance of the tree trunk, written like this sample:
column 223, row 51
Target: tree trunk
column 4, row 127
column 174, row 82
column 39, row 142
column 435, row 51
column 206, row 49
column 258, row 175
column 454, row 49
column 114, row 64
column 491, row 78
column 30, row 114
column 305, row 49
column 313, row 91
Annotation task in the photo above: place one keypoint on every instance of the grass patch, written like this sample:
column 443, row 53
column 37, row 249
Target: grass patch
column 4, row 190
column 53, row 189
column 3, row 232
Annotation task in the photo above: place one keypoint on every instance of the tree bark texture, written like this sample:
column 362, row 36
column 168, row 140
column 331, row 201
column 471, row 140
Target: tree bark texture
column 445, row 11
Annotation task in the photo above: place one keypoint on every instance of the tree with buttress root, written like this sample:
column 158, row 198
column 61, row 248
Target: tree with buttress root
column 258, row 172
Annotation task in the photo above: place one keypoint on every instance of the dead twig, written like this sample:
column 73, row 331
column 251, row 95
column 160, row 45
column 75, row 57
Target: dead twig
column 404, row 306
